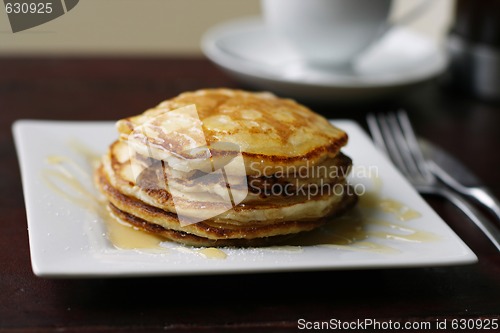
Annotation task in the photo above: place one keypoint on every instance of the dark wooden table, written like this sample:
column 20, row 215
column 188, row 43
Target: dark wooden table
column 108, row 89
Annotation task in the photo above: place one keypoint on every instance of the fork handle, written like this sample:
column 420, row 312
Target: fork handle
column 484, row 196
column 479, row 193
column 480, row 220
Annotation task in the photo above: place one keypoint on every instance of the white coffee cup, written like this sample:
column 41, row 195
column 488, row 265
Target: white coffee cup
column 331, row 32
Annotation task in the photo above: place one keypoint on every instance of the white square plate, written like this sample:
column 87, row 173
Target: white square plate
column 67, row 240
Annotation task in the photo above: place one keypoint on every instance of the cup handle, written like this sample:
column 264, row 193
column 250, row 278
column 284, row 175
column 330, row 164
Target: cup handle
column 404, row 19
column 412, row 14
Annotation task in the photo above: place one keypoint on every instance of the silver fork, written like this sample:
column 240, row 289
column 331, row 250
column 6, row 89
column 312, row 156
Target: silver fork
column 394, row 135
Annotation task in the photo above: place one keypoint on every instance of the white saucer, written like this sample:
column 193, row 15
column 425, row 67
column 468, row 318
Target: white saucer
column 250, row 53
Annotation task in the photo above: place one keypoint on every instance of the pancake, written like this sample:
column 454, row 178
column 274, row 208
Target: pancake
column 270, row 131
column 226, row 167
column 193, row 240
column 137, row 213
column 155, row 189
column 282, row 209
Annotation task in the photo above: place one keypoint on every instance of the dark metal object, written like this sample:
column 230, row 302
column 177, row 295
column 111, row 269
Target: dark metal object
column 474, row 48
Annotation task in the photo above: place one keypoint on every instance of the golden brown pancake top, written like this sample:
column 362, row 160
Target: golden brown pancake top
column 268, row 129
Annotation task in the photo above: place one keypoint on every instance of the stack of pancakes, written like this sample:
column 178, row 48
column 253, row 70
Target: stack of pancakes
column 221, row 167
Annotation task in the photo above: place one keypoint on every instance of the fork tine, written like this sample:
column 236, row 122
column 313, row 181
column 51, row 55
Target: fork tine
column 390, row 142
column 376, row 134
column 412, row 143
column 404, row 149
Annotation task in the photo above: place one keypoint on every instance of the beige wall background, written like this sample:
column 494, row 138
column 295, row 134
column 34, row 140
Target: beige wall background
column 162, row 27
